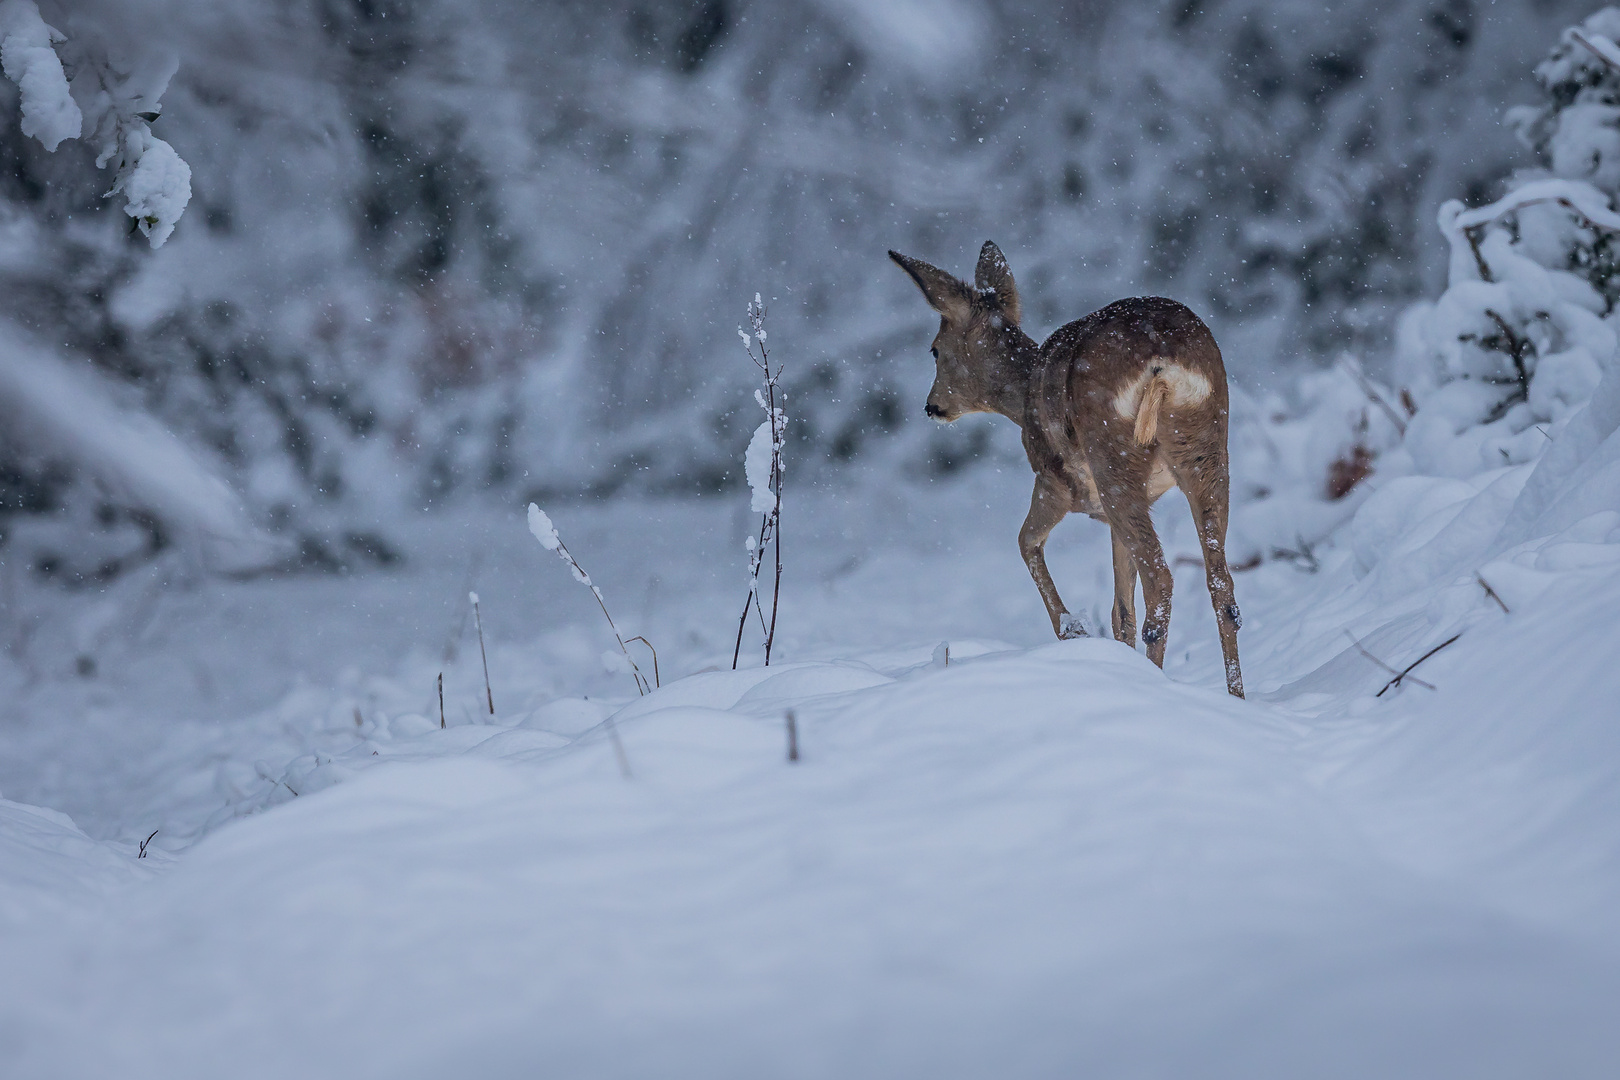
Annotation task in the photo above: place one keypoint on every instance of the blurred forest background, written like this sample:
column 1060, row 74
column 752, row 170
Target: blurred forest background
column 451, row 249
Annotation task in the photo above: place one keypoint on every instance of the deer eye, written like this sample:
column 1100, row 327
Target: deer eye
column 935, row 353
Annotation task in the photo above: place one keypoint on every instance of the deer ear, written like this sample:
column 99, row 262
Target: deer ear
column 944, row 293
column 995, row 276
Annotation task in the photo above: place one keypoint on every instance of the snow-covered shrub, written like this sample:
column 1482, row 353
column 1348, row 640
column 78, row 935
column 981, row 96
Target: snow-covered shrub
column 1525, row 328
column 1298, row 455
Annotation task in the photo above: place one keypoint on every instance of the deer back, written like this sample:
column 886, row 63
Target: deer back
column 1095, row 375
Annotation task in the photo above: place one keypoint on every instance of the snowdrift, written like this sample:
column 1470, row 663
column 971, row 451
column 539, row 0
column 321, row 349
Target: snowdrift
column 1042, row 860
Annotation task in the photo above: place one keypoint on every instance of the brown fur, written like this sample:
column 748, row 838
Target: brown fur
column 1116, row 408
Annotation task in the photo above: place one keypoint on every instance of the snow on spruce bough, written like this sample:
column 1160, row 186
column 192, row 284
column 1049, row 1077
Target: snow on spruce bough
column 155, row 182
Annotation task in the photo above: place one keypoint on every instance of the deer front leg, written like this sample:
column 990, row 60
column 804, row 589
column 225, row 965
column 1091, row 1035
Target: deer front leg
column 1124, row 615
column 1047, row 507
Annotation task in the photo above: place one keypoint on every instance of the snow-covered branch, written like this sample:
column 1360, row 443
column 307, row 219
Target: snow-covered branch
column 762, row 467
column 110, row 104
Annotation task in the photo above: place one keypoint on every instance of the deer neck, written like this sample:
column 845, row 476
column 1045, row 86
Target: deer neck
column 1008, row 377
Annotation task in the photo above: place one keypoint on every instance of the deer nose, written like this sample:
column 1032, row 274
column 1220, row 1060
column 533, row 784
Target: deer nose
column 933, row 410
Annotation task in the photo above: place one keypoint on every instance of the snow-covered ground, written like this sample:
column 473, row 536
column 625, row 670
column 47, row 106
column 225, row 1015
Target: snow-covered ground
column 1042, row 859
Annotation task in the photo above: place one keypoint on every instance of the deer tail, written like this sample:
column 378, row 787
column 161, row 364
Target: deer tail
column 1147, row 413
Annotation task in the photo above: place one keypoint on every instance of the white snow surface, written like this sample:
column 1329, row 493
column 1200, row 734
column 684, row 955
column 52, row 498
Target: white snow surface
column 1044, row 859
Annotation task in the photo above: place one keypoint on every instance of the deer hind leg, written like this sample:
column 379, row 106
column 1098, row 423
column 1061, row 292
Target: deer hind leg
column 1123, row 486
column 1201, row 473
column 1047, row 506
column 1124, row 614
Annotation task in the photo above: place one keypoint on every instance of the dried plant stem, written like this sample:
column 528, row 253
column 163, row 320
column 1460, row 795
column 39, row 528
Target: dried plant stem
column 776, row 526
column 770, row 533
column 441, row 699
column 643, row 687
column 489, row 695
column 657, row 681
column 1490, row 592
column 752, row 599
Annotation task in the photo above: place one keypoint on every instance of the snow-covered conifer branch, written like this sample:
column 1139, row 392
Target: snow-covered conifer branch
column 109, row 106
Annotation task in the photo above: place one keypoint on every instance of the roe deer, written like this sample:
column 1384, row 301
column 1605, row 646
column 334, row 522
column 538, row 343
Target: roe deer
column 1116, row 409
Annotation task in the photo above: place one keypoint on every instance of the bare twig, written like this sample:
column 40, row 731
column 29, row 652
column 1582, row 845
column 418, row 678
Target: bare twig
column 540, row 525
column 1490, row 592
column 441, row 699
column 1304, row 557
column 1516, row 348
column 1396, row 681
column 1363, row 651
column 1351, row 365
column 792, row 736
column 1471, row 234
column 656, row 680
column 1575, row 35
column 770, row 524
column 148, row 840
column 478, row 618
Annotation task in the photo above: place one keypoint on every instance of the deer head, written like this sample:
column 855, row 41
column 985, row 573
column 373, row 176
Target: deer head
column 978, row 337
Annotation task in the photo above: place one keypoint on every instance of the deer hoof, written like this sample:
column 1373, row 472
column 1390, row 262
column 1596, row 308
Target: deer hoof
column 1071, row 627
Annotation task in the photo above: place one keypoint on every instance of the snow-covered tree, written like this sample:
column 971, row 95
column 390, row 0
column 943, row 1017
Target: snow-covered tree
column 1526, row 326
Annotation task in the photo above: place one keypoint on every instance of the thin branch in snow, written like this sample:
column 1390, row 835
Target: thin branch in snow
column 1353, row 366
column 478, row 618
column 762, row 467
column 1363, row 651
column 1490, row 592
column 441, row 700
column 545, row 532
column 1405, row 671
column 148, row 840
column 656, row 680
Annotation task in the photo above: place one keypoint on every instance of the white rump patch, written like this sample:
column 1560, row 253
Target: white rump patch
column 1185, row 387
